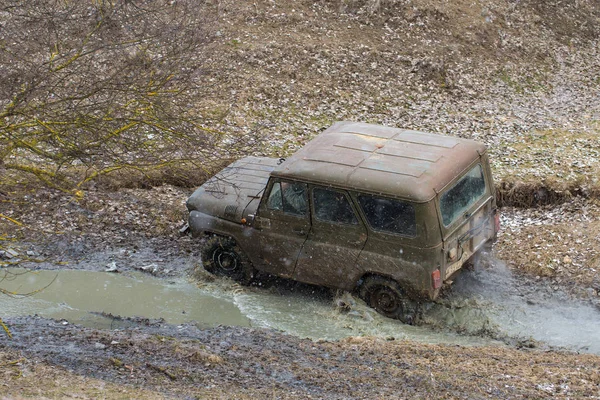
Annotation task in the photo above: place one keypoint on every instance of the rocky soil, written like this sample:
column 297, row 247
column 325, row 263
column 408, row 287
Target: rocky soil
column 520, row 76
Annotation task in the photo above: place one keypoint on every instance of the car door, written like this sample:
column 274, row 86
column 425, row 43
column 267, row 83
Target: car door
column 337, row 236
column 284, row 222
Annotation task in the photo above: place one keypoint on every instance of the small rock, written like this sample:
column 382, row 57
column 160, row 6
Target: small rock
column 10, row 253
column 99, row 346
column 184, row 229
column 148, row 268
column 111, row 267
column 225, row 344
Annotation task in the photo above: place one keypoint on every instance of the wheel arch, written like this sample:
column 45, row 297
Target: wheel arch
column 204, row 224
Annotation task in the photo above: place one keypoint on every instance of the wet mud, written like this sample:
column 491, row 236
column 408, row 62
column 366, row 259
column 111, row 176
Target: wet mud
column 217, row 339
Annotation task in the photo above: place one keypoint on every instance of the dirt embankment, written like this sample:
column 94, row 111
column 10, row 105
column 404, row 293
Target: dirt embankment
column 522, row 77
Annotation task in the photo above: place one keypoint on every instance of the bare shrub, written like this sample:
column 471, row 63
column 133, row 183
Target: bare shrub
column 94, row 87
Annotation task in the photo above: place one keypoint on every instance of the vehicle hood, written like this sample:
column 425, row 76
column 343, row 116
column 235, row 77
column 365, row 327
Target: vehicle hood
column 234, row 192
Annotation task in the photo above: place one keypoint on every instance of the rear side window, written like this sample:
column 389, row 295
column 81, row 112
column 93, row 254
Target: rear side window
column 333, row 206
column 389, row 215
column 459, row 198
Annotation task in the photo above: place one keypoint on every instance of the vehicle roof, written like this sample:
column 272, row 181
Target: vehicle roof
column 378, row 159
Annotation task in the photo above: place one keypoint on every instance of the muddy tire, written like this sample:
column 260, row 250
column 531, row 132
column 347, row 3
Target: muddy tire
column 222, row 256
column 388, row 298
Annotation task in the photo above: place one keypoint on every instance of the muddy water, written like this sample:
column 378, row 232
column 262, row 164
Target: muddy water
column 492, row 301
column 311, row 313
column 86, row 297
column 83, row 297
column 486, row 306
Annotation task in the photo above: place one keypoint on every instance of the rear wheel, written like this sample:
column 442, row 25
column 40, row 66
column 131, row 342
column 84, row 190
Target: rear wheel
column 222, row 256
column 388, row 298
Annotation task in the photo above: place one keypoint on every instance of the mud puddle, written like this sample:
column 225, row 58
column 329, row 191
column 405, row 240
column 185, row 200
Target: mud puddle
column 485, row 306
column 90, row 298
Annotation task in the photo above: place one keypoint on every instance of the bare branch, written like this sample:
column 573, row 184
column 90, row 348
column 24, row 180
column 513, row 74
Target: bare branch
column 103, row 85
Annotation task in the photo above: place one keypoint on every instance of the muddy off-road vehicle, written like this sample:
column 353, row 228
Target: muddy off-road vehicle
column 389, row 213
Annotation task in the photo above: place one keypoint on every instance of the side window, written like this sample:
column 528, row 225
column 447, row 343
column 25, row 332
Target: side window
column 274, row 201
column 333, row 206
column 289, row 197
column 389, row 215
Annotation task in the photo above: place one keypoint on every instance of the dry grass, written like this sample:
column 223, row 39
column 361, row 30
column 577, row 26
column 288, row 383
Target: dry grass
column 188, row 175
column 533, row 192
column 488, row 372
column 23, row 378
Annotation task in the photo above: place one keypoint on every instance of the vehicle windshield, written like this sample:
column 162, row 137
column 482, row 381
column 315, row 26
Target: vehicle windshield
column 462, row 195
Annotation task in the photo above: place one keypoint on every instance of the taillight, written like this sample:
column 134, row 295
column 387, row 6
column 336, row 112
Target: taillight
column 497, row 221
column 436, row 279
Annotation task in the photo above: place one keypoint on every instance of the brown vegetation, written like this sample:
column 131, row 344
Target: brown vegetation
column 94, row 88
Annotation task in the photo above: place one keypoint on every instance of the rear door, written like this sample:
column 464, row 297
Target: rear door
column 467, row 216
column 337, row 236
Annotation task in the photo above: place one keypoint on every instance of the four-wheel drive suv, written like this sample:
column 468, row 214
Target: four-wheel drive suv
column 390, row 213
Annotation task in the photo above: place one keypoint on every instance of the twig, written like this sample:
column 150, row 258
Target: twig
column 3, row 325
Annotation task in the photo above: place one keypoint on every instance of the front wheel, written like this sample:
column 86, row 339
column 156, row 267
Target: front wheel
column 387, row 298
column 222, row 256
